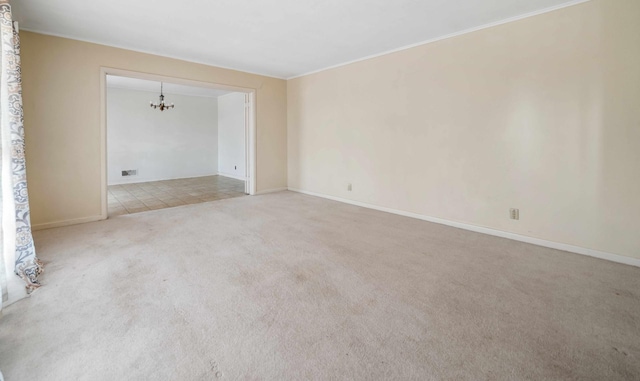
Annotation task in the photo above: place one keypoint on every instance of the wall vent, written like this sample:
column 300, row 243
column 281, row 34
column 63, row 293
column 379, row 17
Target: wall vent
column 130, row 172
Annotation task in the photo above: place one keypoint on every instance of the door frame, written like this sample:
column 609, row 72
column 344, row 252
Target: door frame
column 250, row 123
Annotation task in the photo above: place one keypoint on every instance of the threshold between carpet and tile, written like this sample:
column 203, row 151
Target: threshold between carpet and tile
column 290, row 286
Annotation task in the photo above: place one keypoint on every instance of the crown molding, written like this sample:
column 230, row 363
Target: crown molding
column 451, row 35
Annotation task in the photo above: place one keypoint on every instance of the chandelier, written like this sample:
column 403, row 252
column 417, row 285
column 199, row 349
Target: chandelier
column 161, row 105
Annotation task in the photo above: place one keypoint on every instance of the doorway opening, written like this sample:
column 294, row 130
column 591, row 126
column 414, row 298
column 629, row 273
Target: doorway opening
column 201, row 150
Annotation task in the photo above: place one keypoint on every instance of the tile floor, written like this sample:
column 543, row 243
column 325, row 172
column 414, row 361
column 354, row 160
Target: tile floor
column 140, row 197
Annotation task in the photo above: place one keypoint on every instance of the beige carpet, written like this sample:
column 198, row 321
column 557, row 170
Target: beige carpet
column 291, row 287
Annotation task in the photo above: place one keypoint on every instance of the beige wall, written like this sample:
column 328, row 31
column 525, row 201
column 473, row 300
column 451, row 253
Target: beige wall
column 542, row 114
column 61, row 86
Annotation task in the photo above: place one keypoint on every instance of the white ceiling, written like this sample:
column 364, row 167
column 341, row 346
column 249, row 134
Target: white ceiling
column 279, row 38
column 169, row 88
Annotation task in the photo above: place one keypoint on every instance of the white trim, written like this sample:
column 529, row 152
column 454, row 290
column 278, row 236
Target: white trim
column 104, row 180
column 455, row 34
column 60, row 35
column 75, row 221
column 480, row 229
column 232, row 176
column 252, row 143
column 272, row 190
column 247, row 184
column 176, row 80
column 185, row 94
column 133, row 181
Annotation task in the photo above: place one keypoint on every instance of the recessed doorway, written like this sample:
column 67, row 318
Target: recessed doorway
column 199, row 150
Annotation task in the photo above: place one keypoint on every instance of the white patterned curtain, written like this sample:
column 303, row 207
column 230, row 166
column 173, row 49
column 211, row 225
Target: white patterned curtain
column 19, row 265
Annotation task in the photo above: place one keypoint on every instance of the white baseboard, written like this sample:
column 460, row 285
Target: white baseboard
column 58, row 224
column 479, row 229
column 273, row 190
column 134, row 180
column 232, row 176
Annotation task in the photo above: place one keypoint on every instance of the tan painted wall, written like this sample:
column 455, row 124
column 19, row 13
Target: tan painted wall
column 61, row 85
column 542, row 114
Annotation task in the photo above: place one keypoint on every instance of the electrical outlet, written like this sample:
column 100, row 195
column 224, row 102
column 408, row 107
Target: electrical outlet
column 349, row 187
column 514, row 214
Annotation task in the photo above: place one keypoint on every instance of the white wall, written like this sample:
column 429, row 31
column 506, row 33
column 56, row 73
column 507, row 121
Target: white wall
column 231, row 139
column 177, row 143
